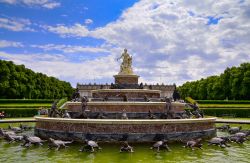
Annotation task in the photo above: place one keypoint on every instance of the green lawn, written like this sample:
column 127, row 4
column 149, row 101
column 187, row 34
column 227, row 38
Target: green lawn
column 223, row 101
column 22, row 108
column 227, row 108
column 224, row 105
column 18, row 118
column 230, row 118
column 24, row 105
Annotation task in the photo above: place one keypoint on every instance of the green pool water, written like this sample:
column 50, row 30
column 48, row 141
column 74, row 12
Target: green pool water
column 110, row 153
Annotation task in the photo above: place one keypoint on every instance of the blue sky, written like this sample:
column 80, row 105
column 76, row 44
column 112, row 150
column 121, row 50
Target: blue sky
column 170, row 41
column 68, row 13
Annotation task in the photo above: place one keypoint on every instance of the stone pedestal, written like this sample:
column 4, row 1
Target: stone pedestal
column 126, row 79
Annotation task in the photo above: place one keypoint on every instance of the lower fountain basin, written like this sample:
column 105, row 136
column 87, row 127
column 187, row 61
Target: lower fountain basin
column 132, row 130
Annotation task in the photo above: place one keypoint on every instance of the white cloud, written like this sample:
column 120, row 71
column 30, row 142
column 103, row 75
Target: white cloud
column 70, row 48
column 15, row 24
column 166, row 34
column 5, row 43
column 9, row 1
column 88, row 21
column 49, row 4
column 77, row 30
column 59, row 66
column 170, row 41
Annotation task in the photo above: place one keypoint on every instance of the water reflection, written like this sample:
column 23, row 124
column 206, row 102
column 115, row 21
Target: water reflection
column 110, row 154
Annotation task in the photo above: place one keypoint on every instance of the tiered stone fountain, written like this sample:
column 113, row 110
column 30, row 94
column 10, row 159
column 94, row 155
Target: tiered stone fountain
column 133, row 101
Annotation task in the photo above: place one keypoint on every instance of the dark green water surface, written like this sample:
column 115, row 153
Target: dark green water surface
column 237, row 153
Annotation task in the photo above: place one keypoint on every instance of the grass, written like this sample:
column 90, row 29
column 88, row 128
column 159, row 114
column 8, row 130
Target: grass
column 26, row 104
column 224, row 105
column 25, row 101
column 25, row 107
column 226, row 108
column 230, row 118
column 18, row 118
column 244, row 126
column 220, row 109
column 223, row 101
column 21, row 108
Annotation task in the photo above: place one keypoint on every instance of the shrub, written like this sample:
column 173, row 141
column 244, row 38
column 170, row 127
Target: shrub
column 23, row 106
column 205, row 106
column 3, row 101
column 20, row 112
column 223, row 101
column 220, row 112
column 190, row 100
column 62, row 101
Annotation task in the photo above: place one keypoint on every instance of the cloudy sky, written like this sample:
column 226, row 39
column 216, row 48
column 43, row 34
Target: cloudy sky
column 171, row 41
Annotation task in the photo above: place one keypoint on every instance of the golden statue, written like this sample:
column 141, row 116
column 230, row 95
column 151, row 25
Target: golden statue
column 126, row 66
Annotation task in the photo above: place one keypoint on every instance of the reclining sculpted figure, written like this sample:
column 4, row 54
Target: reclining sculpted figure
column 54, row 111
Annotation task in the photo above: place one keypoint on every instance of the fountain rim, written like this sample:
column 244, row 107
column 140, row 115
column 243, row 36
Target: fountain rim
column 125, row 121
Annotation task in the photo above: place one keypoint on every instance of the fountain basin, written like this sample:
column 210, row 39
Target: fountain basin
column 132, row 130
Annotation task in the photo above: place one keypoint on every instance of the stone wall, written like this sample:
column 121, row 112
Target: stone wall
column 127, row 92
column 123, row 128
column 131, row 130
column 128, row 106
column 85, row 89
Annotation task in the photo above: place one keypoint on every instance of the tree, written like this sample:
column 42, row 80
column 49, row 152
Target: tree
column 16, row 81
column 234, row 83
column 245, row 91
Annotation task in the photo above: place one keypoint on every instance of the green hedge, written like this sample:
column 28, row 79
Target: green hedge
column 224, row 106
column 26, row 101
column 223, row 102
column 190, row 100
column 20, row 112
column 62, row 101
column 23, row 106
column 220, row 112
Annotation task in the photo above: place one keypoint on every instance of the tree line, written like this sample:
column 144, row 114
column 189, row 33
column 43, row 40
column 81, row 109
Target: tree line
column 18, row 82
column 233, row 84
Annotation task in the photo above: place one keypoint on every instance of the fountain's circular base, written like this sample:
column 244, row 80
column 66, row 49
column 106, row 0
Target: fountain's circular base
column 132, row 130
